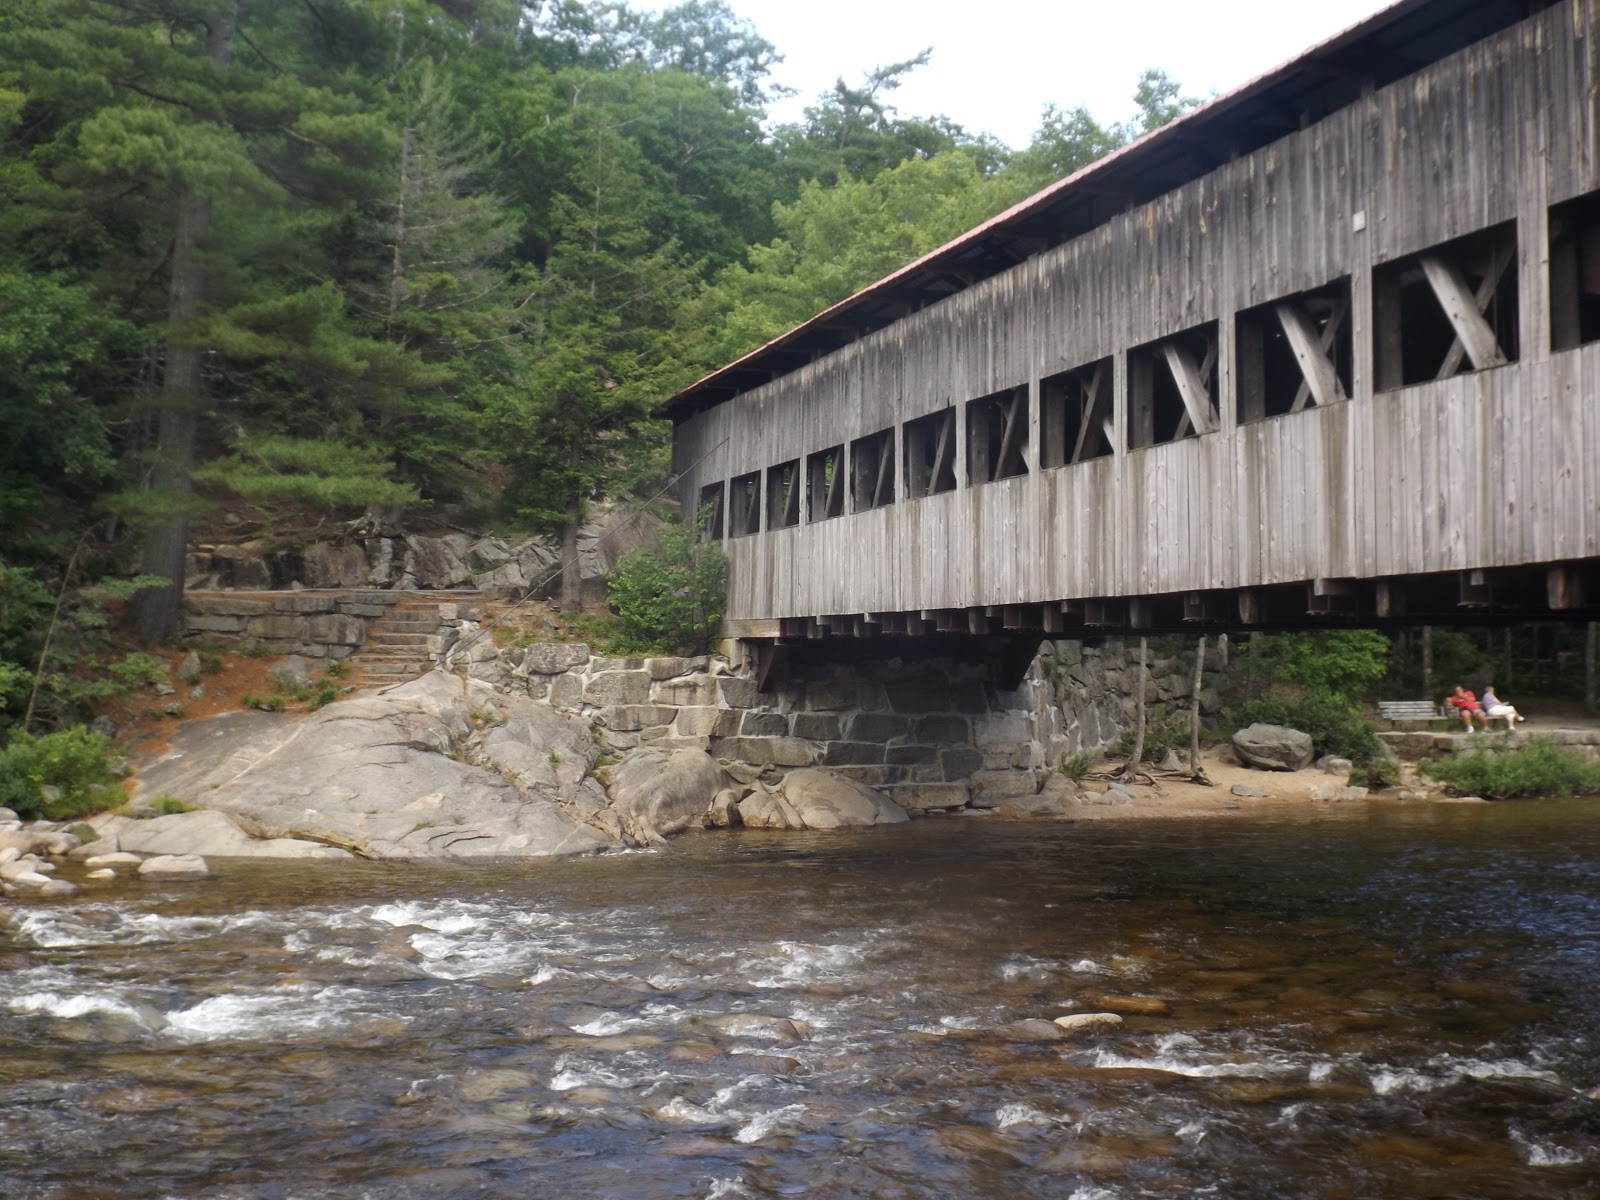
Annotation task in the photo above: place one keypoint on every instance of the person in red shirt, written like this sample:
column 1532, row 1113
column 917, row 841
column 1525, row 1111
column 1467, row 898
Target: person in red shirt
column 1465, row 703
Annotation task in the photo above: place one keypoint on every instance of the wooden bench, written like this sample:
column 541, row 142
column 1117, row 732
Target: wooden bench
column 1395, row 711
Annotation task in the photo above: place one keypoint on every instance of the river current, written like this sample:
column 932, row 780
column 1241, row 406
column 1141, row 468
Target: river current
column 1362, row 1002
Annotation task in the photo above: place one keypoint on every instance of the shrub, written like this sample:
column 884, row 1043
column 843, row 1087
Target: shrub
column 1076, row 766
column 1381, row 773
column 1161, row 734
column 1336, row 726
column 325, row 694
column 169, row 805
column 1344, row 663
column 139, row 668
column 673, row 599
column 58, row 775
column 1535, row 768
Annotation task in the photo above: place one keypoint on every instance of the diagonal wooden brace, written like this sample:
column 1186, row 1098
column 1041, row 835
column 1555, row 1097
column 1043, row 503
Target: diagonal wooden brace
column 1464, row 310
column 1198, row 412
column 1316, row 368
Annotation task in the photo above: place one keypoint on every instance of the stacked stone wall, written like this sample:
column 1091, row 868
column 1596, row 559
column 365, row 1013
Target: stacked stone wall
column 314, row 624
column 931, row 733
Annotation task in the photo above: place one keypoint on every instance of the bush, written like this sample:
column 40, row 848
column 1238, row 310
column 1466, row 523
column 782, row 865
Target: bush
column 672, row 600
column 1161, row 734
column 1535, row 768
column 1076, row 766
column 1335, row 726
column 58, row 775
column 1380, row 773
column 1344, row 663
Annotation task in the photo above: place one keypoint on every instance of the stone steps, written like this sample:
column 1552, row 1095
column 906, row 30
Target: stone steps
column 396, row 644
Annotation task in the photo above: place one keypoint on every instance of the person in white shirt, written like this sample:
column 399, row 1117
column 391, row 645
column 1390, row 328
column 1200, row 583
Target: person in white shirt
column 1494, row 707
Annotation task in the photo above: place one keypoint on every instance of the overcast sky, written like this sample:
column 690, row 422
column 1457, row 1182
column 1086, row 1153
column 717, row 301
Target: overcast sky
column 997, row 63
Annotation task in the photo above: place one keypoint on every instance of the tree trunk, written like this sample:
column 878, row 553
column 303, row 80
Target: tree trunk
column 1427, row 662
column 1131, row 769
column 571, row 584
column 156, row 613
column 1194, row 710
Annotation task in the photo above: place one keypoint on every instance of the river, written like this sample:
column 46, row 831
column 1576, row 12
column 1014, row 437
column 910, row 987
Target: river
column 1360, row 1002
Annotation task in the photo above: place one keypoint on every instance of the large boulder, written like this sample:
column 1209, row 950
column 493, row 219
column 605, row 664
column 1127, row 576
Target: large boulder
column 383, row 776
column 1273, row 747
column 825, row 801
column 657, row 793
column 768, row 810
column 209, row 833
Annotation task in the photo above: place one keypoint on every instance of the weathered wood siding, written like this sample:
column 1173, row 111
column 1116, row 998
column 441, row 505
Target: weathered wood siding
column 1493, row 468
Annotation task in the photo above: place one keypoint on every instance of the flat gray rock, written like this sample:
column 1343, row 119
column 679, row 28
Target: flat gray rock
column 379, row 775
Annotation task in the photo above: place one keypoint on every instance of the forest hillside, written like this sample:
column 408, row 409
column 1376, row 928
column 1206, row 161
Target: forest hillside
column 438, row 258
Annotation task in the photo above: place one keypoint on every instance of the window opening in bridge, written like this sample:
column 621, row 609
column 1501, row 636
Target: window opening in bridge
column 783, row 495
column 931, row 454
column 1172, row 387
column 744, row 505
column 710, row 512
column 1293, row 353
column 825, row 484
column 997, row 436
column 1575, row 272
column 1075, row 418
column 872, row 470
column 1446, row 311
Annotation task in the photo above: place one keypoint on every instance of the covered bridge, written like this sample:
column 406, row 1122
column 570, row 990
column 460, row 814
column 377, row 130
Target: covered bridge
column 1325, row 349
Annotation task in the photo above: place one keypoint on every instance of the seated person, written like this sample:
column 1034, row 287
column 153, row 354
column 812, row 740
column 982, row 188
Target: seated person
column 1493, row 707
column 1466, row 704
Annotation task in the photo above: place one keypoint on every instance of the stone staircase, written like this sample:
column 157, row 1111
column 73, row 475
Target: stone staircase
column 396, row 645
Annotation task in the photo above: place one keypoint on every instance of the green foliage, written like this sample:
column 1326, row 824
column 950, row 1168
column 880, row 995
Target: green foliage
column 1076, row 766
column 1161, row 734
column 1336, row 726
column 138, row 669
column 321, row 472
column 1535, row 768
column 57, row 775
column 325, row 694
column 1381, row 772
column 671, row 600
column 1338, row 663
column 169, row 805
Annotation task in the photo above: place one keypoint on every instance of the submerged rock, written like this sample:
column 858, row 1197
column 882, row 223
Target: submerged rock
column 172, row 868
column 1082, row 1024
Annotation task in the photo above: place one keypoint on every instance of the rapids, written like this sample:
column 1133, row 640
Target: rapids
column 1363, row 1002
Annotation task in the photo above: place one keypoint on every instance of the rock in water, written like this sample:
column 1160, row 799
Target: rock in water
column 1023, row 807
column 1273, row 747
column 824, row 801
column 1080, row 1024
column 768, row 810
column 724, row 810
column 380, row 774
column 661, row 793
column 201, row 833
column 171, row 868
